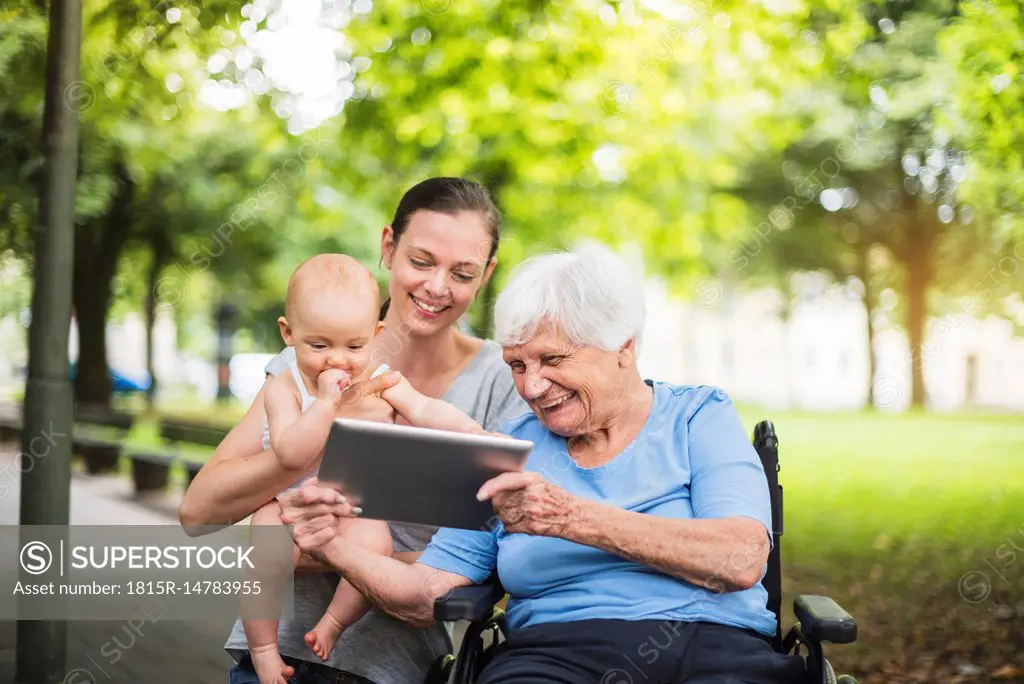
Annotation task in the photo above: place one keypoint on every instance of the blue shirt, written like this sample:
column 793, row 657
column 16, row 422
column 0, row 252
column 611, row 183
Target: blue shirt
column 691, row 460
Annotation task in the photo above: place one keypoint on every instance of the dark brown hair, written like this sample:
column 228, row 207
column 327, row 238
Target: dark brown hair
column 446, row 196
column 449, row 196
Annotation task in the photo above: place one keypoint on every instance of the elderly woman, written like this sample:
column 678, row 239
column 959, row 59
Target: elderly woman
column 634, row 543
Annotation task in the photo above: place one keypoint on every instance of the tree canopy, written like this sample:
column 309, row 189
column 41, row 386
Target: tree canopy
column 876, row 141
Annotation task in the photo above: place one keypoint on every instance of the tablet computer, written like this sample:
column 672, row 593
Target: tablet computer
column 409, row 474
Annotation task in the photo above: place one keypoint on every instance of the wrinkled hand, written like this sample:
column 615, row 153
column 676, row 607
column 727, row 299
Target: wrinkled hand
column 528, row 503
column 331, row 383
column 369, row 408
column 314, row 510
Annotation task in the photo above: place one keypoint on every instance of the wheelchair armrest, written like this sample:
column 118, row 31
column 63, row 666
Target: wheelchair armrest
column 823, row 620
column 469, row 603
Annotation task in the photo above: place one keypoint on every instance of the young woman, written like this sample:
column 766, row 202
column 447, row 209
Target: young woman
column 440, row 250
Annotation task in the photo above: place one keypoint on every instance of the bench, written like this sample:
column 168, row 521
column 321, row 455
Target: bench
column 191, row 432
column 101, row 416
column 192, row 468
column 151, row 468
column 10, row 429
column 100, row 455
column 10, row 422
column 101, row 452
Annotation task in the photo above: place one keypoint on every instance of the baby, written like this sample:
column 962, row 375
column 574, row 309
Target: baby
column 330, row 319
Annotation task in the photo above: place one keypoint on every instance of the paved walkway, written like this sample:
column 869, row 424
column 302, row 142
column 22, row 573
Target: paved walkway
column 165, row 652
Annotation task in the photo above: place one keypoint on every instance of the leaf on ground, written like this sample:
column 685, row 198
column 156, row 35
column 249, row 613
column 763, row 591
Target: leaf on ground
column 1003, row 612
column 1009, row 672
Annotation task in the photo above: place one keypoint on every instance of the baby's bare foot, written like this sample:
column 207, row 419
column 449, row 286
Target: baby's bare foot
column 321, row 639
column 266, row 660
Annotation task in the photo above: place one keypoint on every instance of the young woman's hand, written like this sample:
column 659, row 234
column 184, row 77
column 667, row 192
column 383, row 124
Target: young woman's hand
column 363, row 388
column 339, row 388
column 362, row 399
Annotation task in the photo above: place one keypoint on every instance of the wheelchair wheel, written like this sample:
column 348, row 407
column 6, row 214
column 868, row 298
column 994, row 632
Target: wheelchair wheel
column 440, row 670
column 830, row 674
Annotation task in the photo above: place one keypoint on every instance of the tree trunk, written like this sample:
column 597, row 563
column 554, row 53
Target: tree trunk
column 917, row 256
column 161, row 254
column 47, row 411
column 92, row 380
column 495, row 180
column 917, row 286
column 868, row 300
column 150, row 306
column 484, row 328
column 98, row 245
column 785, row 318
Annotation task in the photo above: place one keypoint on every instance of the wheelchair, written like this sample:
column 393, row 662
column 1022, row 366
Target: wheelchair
column 820, row 620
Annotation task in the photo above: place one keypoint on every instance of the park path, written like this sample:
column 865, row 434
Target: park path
column 166, row 652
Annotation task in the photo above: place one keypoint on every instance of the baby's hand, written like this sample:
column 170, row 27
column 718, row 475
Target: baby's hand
column 331, row 383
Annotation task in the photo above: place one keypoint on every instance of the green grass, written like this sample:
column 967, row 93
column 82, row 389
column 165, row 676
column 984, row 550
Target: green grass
column 144, row 436
column 886, row 513
column 870, row 477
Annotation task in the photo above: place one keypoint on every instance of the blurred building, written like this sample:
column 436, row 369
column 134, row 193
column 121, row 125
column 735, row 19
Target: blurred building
column 813, row 354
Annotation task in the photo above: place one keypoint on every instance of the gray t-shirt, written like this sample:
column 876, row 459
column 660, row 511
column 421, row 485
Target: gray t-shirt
column 380, row 647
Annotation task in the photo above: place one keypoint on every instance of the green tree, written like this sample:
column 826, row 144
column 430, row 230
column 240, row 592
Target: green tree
column 985, row 45
column 584, row 120
column 159, row 172
column 881, row 164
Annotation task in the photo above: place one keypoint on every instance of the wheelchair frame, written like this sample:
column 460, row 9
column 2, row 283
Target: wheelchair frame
column 820, row 620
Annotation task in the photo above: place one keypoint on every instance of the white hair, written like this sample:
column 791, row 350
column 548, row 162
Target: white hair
column 589, row 295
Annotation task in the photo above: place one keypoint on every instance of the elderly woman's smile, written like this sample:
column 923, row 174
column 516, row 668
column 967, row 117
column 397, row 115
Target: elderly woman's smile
column 557, row 402
column 560, row 411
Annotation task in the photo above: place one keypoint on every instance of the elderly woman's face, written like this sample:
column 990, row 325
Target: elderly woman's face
column 570, row 388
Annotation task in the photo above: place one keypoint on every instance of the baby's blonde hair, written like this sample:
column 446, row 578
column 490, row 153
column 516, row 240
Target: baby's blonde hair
column 327, row 271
